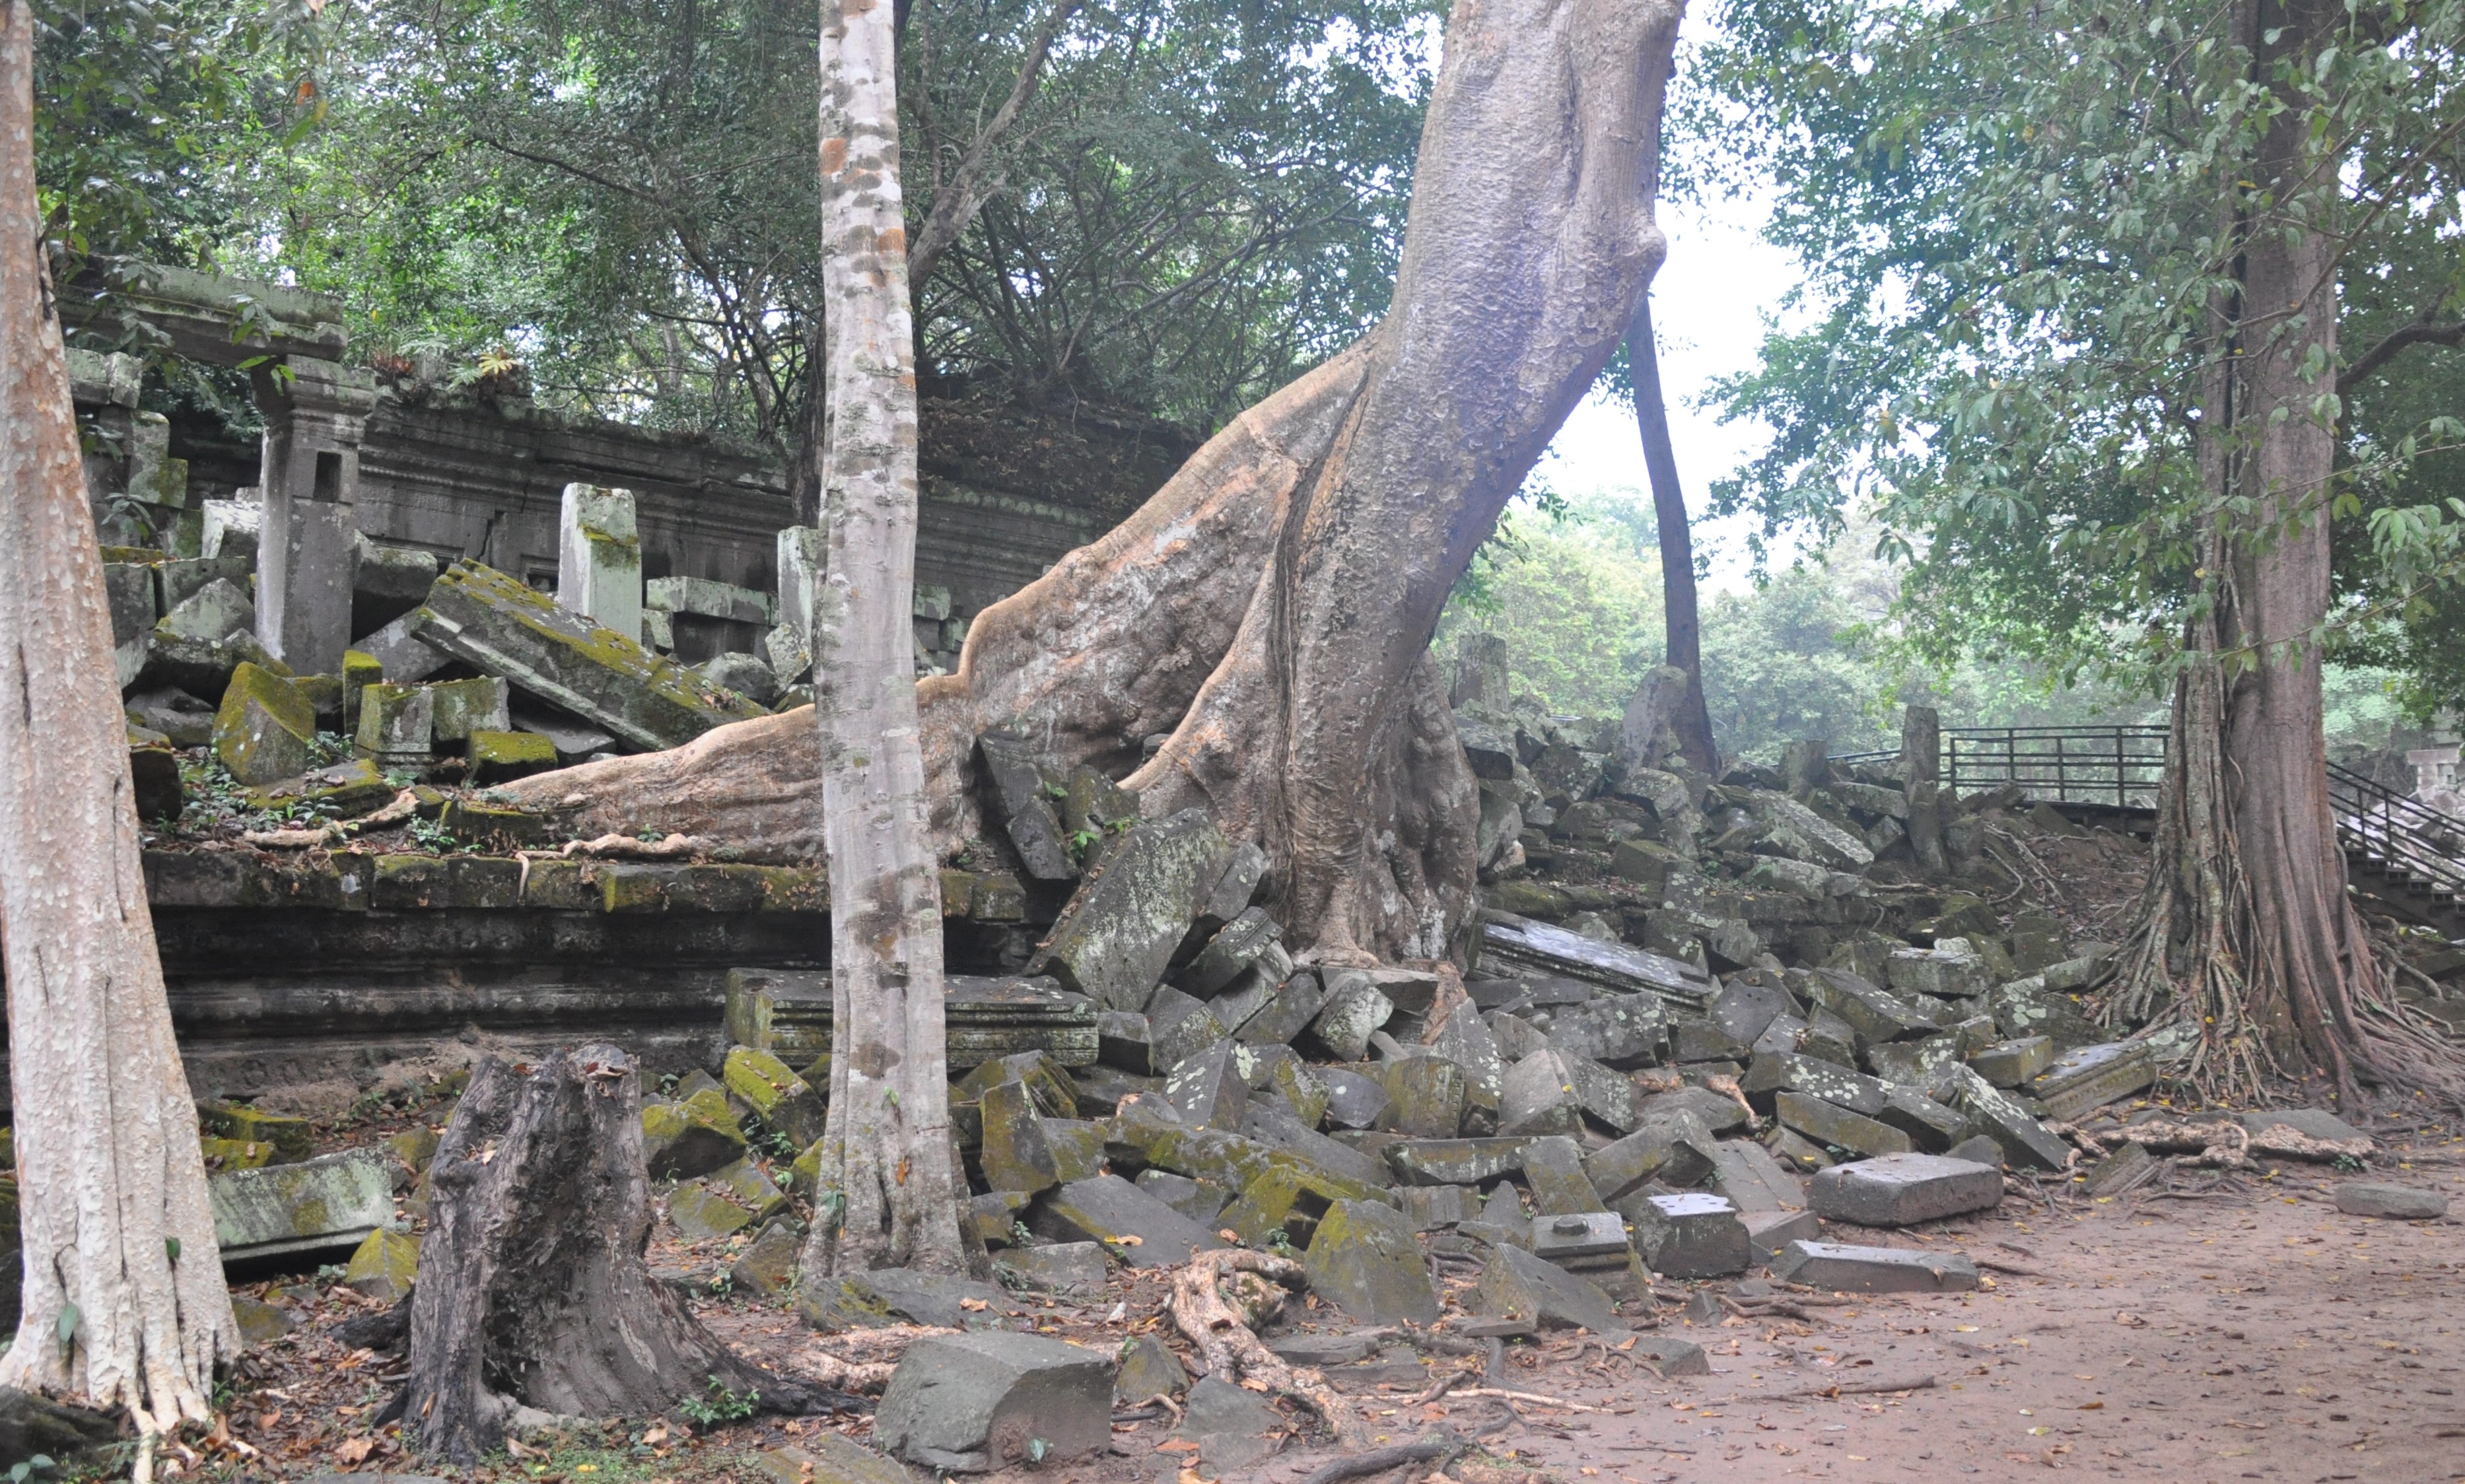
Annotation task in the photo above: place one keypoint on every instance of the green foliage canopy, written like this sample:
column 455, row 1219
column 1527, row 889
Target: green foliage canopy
column 2016, row 219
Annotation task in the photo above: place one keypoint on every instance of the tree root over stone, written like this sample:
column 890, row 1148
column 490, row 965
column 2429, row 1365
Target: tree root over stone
column 1218, row 1322
column 2223, row 1144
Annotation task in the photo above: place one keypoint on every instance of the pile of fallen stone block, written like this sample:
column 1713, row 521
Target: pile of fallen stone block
column 1561, row 1126
column 462, row 675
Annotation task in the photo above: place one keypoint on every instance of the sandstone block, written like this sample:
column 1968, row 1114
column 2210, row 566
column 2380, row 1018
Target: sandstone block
column 1904, row 1190
column 1367, row 1260
column 1690, row 1234
column 995, row 1400
column 1873, row 1270
column 2394, row 1202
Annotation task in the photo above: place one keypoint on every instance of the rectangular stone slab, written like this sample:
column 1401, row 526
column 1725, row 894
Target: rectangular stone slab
column 1998, row 1115
column 1840, row 1268
column 325, row 1205
column 1829, row 1081
column 1512, row 944
column 1454, row 1161
column 1904, row 1190
column 1111, row 1210
column 1877, row 1013
column 489, row 620
column 2093, row 1076
column 1553, row 1168
column 1831, row 1125
column 1754, row 1181
column 1116, row 936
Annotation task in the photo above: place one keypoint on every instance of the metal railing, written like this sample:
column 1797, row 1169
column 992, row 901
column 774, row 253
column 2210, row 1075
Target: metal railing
column 2123, row 766
column 2398, row 832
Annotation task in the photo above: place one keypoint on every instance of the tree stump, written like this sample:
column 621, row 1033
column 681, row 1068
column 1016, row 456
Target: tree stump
column 533, row 1289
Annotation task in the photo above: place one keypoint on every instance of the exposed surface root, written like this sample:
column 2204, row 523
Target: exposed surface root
column 2224, row 1143
column 1218, row 1322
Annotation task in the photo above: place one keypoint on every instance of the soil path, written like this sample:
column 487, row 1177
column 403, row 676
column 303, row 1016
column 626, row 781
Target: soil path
column 2256, row 1335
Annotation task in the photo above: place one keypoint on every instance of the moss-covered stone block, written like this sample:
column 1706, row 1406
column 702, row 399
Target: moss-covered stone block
column 415, row 1147
column 396, row 726
column 1367, row 1260
column 154, row 774
column 777, row 1095
column 260, row 1323
column 499, row 625
column 439, row 882
column 691, row 1138
column 359, row 670
column 384, row 1266
column 291, row 1139
column 725, row 1202
column 561, row 886
column 792, row 888
column 498, row 757
column 805, row 1173
column 345, row 790
column 493, row 826
column 264, row 728
column 461, row 709
column 236, row 1153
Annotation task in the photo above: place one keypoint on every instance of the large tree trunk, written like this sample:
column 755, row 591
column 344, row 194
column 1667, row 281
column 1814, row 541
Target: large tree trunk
column 532, row 1289
column 890, row 1184
column 124, row 1303
column 2247, row 925
column 1691, row 721
column 1267, row 616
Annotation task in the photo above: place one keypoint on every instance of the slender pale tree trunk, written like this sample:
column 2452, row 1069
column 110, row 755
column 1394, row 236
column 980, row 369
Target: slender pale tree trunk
column 124, row 1303
column 890, row 1184
column 1693, row 721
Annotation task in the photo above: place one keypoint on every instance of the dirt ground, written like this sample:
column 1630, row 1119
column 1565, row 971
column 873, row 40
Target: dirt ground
column 2255, row 1335
column 2246, row 1331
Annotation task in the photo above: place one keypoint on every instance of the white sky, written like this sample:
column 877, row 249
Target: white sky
column 1707, row 304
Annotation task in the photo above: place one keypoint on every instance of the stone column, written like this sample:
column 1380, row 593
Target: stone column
column 1922, row 765
column 599, row 559
column 308, row 551
column 804, row 561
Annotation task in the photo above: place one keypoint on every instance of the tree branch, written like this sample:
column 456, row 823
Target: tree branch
column 956, row 204
column 2425, row 331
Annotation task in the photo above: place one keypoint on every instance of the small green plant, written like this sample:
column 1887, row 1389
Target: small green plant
column 19, row 1472
column 1020, row 1236
column 2348, row 1165
column 718, row 1405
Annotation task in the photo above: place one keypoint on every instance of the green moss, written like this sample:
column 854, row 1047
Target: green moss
column 291, row 1139
column 265, row 728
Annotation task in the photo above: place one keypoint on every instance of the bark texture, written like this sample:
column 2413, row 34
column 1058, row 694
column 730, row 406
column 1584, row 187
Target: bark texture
column 2247, row 925
column 124, row 1303
column 1264, row 620
column 532, row 1286
column 1690, row 718
column 890, row 1187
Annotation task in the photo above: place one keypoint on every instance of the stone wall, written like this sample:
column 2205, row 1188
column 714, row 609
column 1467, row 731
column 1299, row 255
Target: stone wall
column 289, row 971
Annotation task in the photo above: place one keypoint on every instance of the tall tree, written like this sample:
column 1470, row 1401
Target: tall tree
column 1269, row 612
column 890, row 1184
column 2079, row 267
column 124, row 1303
column 1680, row 612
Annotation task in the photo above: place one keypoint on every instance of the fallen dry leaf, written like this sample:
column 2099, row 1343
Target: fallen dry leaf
column 356, row 1449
